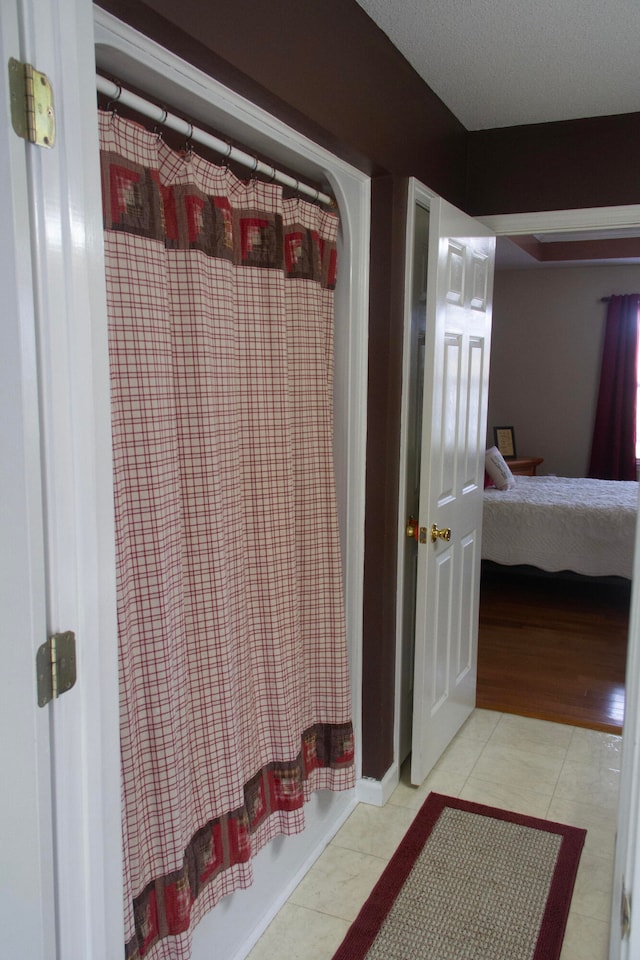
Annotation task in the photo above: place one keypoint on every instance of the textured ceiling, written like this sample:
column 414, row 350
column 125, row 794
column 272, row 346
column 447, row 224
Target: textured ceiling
column 498, row 63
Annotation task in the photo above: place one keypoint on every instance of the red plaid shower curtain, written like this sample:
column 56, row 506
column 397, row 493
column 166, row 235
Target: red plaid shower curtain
column 234, row 678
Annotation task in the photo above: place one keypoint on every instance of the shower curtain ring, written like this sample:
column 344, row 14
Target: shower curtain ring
column 157, row 128
column 188, row 146
column 114, row 99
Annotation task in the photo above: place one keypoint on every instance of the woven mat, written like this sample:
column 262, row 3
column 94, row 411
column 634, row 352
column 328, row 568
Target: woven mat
column 470, row 882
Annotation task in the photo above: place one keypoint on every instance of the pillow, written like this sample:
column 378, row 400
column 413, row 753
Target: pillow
column 497, row 468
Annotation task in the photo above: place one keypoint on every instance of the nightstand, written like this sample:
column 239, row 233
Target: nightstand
column 524, row 466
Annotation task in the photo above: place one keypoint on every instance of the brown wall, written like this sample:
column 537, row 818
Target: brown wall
column 325, row 68
column 554, row 166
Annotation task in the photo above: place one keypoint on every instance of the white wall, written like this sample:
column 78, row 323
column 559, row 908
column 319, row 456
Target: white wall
column 548, row 326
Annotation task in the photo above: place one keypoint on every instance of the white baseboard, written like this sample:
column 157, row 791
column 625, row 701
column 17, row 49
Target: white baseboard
column 377, row 792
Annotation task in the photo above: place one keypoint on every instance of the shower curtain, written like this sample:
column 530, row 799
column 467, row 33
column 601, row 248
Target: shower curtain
column 234, row 678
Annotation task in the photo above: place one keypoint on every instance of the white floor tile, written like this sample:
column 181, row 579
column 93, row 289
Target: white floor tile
column 460, row 757
column 599, row 823
column 591, row 783
column 440, row 781
column 374, row 830
column 480, row 725
column 593, row 889
column 593, row 747
column 533, row 736
column 536, row 772
column 339, row 882
column 300, row 934
column 585, row 939
column 507, row 796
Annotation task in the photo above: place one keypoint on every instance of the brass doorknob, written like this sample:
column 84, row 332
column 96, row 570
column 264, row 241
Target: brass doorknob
column 443, row 534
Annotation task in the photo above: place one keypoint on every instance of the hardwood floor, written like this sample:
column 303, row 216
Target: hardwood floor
column 553, row 648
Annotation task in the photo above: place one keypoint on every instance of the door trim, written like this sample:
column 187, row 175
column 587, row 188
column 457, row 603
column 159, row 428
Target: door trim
column 627, row 859
column 417, row 195
column 72, row 378
column 555, row 221
column 27, row 906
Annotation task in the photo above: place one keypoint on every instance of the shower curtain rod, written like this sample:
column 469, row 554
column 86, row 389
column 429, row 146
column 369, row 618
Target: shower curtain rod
column 119, row 94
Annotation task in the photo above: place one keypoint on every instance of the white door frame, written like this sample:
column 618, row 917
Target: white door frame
column 27, row 917
column 417, row 194
column 62, row 373
column 627, row 858
column 557, row 221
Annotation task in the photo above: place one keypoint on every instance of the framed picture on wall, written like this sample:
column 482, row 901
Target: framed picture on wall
column 505, row 441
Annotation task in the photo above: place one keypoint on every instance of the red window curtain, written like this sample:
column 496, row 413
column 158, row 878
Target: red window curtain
column 613, row 450
column 235, row 694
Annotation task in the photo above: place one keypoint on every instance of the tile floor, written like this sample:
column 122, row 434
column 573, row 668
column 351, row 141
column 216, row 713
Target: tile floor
column 563, row 773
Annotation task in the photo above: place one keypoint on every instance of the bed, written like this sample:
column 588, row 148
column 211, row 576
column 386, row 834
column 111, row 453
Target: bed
column 562, row 523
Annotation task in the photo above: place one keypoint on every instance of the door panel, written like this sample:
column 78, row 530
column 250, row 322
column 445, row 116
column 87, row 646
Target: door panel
column 457, row 349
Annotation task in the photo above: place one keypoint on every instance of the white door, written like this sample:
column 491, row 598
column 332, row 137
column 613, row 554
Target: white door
column 456, row 377
column 60, row 803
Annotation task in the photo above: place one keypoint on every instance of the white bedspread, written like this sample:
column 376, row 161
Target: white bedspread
column 560, row 523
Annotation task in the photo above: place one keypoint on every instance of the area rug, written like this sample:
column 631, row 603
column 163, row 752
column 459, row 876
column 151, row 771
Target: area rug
column 470, row 882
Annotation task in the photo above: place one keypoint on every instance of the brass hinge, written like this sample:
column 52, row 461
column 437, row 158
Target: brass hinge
column 56, row 666
column 32, row 114
column 625, row 911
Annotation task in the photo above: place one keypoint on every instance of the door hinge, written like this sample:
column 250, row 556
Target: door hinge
column 625, row 912
column 56, row 666
column 32, row 114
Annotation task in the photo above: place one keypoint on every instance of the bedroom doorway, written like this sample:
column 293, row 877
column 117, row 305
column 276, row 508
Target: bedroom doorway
column 627, row 853
column 627, row 865
column 545, row 297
